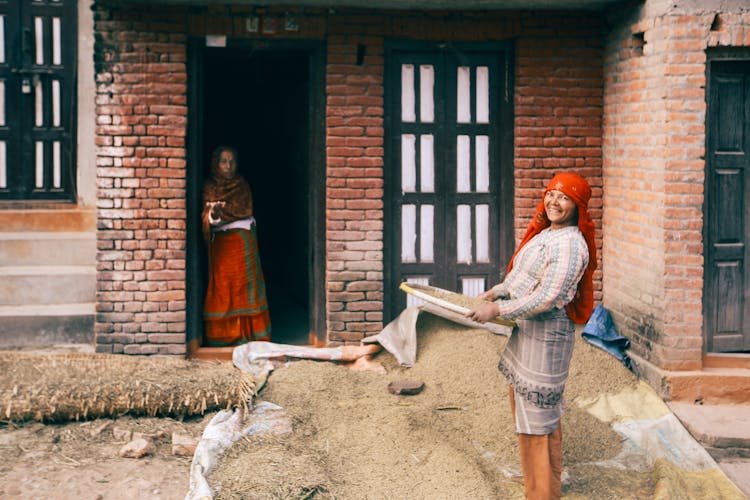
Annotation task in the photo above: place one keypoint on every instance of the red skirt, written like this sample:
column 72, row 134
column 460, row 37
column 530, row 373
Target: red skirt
column 236, row 308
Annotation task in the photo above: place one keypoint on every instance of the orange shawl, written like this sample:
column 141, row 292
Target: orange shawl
column 235, row 192
column 573, row 185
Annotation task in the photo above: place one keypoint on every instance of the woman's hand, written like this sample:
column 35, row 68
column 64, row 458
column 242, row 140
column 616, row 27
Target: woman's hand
column 483, row 313
column 214, row 212
column 489, row 295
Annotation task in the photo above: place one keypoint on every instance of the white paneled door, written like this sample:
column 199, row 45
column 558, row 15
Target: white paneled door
column 448, row 168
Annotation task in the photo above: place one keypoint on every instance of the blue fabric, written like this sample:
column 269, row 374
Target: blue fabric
column 600, row 332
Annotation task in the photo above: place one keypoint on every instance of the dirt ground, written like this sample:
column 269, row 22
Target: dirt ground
column 352, row 438
column 72, row 461
column 91, row 405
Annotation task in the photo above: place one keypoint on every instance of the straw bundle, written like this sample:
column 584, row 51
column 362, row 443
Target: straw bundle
column 66, row 387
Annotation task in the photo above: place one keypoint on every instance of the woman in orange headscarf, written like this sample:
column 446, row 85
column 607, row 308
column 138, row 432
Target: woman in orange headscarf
column 548, row 289
column 235, row 309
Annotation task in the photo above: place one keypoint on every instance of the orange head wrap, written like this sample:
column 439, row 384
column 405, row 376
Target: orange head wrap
column 575, row 187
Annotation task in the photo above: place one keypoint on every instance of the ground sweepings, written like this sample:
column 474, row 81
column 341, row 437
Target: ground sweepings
column 353, row 439
column 83, row 386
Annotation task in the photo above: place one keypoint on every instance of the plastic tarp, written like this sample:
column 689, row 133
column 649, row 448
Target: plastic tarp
column 399, row 337
column 222, row 432
column 654, row 439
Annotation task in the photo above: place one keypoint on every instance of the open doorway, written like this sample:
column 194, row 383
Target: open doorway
column 257, row 101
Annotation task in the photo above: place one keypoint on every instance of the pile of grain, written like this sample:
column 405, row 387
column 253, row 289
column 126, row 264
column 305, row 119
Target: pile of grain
column 353, row 439
column 83, row 386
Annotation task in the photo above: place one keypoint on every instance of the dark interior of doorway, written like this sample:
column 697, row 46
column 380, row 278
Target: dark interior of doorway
column 257, row 102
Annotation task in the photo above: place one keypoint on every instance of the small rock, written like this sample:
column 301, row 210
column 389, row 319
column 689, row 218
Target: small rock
column 122, row 434
column 183, row 446
column 156, row 437
column 405, row 387
column 96, row 431
column 137, row 448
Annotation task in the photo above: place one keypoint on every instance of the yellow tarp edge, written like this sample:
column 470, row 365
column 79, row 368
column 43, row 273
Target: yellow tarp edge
column 682, row 468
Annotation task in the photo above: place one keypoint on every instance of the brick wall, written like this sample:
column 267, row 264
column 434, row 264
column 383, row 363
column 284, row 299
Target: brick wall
column 558, row 108
column 354, row 178
column 141, row 117
column 558, row 112
column 654, row 146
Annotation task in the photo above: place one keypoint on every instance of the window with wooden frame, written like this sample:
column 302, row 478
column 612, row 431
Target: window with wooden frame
column 37, row 99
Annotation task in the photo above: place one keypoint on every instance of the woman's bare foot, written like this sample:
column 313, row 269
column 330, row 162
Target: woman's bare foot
column 366, row 364
column 353, row 352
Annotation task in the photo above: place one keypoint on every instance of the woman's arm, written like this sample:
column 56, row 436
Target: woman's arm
column 499, row 291
column 566, row 259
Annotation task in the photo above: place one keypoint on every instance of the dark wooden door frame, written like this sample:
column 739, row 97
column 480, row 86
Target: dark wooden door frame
column 504, row 176
column 714, row 56
column 315, row 178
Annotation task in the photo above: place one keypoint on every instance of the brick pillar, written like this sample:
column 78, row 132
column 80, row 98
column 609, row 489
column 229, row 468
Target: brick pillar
column 354, row 180
column 141, row 116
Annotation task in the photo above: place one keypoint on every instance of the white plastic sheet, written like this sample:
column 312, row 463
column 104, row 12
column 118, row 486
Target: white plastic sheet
column 222, row 432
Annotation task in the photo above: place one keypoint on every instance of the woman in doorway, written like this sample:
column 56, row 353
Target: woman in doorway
column 235, row 309
column 548, row 289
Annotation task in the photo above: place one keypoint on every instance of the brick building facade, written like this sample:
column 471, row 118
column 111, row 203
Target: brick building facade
column 142, row 109
column 648, row 100
column 657, row 221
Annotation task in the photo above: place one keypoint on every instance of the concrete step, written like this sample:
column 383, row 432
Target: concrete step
column 47, row 276
column 738, row 470
column 723, row 429
column 711, row 386
column 45, row 285
column 47, row 325
column 54, row 220
column 33, row 248
column 724, row 379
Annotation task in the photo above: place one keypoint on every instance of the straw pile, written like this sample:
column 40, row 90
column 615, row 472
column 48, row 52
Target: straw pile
column 66, row 387
column 353, row 439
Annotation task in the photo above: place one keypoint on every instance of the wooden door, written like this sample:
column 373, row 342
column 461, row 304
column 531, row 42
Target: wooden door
column 37, row 99
column 449, row 174
column 727, row 212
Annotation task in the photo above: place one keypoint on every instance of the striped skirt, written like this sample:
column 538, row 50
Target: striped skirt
column 236, row 308
column 536, row 362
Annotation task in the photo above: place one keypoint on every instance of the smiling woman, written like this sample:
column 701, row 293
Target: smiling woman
column 548, row 288
column 561, row 210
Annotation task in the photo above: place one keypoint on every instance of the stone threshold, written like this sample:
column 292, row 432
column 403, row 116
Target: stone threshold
column 724, row 379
